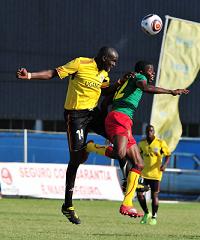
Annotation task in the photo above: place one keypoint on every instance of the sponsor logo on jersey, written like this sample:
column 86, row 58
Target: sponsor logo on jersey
column 92, row 84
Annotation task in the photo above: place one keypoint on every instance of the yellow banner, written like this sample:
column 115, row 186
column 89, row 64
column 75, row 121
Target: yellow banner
column 179, row 66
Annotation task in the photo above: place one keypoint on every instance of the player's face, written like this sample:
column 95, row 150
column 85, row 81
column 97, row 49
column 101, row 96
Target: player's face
column 149, row 72
column 110, row 61
column 150, row 132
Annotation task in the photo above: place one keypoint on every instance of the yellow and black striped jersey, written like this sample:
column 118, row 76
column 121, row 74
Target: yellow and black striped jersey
column 85, row 83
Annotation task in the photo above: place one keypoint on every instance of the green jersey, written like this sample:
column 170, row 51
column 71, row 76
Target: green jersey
column 128, row 96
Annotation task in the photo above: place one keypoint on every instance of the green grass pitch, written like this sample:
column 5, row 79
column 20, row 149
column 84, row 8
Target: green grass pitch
column 39, row 219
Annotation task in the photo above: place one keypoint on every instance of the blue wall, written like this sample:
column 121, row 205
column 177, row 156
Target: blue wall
column 43, row 148
column 53, row 148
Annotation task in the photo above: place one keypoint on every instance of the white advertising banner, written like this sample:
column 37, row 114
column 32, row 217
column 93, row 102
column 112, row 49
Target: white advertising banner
column 48, row 181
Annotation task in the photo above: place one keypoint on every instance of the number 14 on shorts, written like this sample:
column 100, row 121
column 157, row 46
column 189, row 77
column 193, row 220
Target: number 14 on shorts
column 80, row 134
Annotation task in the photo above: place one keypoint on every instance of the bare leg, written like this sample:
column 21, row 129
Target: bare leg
column 132, row 181
column 76, row 158
column 155, row 203
column 142, row 201
column 133, row 154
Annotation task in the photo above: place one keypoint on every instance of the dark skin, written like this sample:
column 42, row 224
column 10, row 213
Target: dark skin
column 148, row 88
column 120, row 142
column 105, row 61
column 150, row 136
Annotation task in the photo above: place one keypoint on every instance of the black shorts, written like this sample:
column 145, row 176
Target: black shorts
column 153, row 184
column 79, row 123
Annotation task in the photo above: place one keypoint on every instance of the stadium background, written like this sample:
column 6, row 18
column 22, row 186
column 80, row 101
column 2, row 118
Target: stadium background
column 43, row 34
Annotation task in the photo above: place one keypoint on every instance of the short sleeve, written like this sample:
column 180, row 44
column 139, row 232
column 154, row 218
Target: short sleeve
column 105, row 79
column 69, row 68
column 165, row 148
column 140, row 77
column 106, row 82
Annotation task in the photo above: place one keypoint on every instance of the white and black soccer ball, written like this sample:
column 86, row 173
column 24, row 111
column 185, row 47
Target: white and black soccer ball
column 151, row 24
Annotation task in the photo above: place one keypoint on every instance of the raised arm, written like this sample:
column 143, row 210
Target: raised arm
column 22, row 73
column 158, row 90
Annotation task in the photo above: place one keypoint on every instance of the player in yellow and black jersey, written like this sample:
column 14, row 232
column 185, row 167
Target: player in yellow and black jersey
column 88, row 79
column 156, row 156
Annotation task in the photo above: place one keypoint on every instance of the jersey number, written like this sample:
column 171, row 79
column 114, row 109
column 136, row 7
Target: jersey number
column 80, row 134
column 120, row 93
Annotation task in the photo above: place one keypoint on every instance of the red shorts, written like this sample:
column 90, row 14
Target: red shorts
column 117, row 123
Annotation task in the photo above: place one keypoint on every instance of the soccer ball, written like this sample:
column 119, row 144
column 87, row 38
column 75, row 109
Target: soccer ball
column 151, row 24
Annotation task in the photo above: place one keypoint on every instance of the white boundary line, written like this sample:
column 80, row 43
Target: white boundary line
column 169, row 201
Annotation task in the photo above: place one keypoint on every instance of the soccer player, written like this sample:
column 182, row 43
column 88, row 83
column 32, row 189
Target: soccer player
column 153, row 150
column 119, row 122
column 88, row 79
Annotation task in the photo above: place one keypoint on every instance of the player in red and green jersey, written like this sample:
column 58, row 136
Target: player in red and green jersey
column 119, row 122
column 127, row 98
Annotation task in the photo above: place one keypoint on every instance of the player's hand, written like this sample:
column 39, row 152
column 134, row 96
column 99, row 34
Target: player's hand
column 129, row 75
column 22, row 73
column 126, row 76
column 179, row 92
column 163, row 167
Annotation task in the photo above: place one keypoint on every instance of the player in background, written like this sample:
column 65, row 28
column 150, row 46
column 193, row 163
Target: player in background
column 119, row 122
column 152, row 150
column 88, row 80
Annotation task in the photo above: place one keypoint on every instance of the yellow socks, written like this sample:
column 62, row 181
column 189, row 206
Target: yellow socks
column 99, row 149
column 96, row 148
column 132, row 182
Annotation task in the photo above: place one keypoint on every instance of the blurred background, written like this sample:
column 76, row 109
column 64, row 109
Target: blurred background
column 44, row 34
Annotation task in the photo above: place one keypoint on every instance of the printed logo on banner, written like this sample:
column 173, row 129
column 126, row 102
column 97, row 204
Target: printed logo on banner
column 6, row 176
column 48, row 181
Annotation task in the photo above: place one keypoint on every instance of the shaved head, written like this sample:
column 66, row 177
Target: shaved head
column 106, row 58
column 107, row 51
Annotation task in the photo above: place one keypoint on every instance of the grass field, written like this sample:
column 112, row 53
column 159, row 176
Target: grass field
column 38, row 219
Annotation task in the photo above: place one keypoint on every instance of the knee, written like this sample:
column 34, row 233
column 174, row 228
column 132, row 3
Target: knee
column 140, row 163
column 154, row 196
column 78, row 157
column 120, row 153
column 139, row 166
column 140, row 195
column 73, row 163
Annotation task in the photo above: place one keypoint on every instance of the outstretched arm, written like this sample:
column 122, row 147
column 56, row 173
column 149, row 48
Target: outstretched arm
column 158, row 90
column 22, row 73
